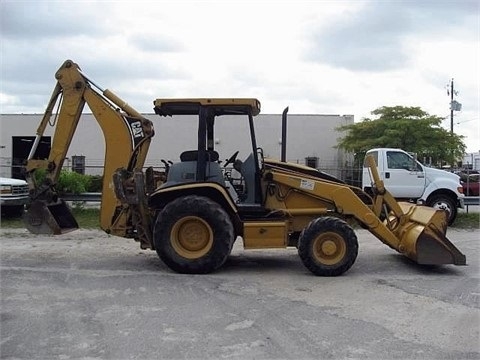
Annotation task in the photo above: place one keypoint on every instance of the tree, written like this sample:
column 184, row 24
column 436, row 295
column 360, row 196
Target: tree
column 407, row 128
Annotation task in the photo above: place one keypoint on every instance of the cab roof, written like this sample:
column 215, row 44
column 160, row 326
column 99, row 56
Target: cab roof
column 221, row 106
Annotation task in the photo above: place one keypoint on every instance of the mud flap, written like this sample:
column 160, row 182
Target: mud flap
column 51, row 219
column 423, row 236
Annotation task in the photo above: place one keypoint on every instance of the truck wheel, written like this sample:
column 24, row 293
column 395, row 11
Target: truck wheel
column 328, row 246
column 444, row 202
column 193, row 235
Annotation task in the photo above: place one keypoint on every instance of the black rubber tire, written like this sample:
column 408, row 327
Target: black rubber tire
column 323, row 232
column 444, row 202
column 213, row 220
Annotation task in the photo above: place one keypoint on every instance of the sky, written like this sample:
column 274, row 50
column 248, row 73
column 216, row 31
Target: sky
column 316, row 57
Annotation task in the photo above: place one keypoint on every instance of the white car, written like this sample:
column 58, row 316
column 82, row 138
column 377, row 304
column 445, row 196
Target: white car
column 13, row 196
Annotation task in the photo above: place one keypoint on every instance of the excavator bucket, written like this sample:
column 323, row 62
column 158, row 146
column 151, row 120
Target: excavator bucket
column 52, row 218
column 423, row 236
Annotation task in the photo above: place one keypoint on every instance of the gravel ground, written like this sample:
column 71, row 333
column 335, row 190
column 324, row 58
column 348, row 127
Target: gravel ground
column 88, row 295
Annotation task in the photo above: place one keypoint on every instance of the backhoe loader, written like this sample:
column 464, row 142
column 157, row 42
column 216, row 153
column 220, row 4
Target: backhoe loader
column 192, row 213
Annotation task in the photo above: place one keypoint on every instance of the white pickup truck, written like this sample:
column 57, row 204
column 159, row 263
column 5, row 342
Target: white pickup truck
column 13, row 196
column 409, row 180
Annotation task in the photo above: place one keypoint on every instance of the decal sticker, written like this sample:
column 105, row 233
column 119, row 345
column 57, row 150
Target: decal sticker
column 307, row 184
column 137, row 130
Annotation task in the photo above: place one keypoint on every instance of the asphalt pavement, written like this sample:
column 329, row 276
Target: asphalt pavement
column 88, row 295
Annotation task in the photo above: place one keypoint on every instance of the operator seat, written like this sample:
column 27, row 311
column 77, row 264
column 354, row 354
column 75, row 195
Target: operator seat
column 185, row 171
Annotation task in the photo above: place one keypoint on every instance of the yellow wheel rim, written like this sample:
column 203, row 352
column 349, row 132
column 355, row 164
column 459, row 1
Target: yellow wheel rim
column 329, row 248
column 191, row 237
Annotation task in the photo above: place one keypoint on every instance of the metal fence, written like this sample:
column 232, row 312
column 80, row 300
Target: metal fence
column 350, row 172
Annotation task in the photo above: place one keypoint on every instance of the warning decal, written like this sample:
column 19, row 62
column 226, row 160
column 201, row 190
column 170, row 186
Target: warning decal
column 307, row 184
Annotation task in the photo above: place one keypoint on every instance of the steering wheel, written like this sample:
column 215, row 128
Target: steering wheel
column 231, row 160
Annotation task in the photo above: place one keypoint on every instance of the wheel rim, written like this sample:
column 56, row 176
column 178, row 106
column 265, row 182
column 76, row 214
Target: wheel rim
column 329, row 248
column 191, row 237
column 443, row 205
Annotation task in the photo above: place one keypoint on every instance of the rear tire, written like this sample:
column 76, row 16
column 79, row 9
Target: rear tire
column 444, row 202
column 328, row 246
column 193, row 235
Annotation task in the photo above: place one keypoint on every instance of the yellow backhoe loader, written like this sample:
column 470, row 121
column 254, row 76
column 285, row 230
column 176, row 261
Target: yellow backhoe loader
column 192, row 213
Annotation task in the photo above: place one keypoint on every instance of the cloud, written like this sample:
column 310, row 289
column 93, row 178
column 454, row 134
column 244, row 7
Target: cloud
column 374, row 37
column 37, row 36
column 340, row 57
column 33, row 20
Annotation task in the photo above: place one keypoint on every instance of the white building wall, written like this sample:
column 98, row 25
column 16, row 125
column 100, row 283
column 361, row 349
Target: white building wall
column 307, row 136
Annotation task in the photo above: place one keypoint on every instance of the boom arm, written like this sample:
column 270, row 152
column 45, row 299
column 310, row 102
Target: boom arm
column 127, row 137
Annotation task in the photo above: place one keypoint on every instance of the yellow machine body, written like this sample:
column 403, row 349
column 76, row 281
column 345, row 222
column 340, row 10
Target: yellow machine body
column 189, row 212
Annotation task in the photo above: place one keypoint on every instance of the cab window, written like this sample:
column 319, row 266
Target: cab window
column 400, row 160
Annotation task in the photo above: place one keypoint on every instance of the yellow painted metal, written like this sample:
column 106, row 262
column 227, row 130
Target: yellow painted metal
column 191, row 237
column 329, row 248
column 194, row 187
column 264, row 234
column 123, row 147
column 119, row 147
column 418, row 232
column 292, row 193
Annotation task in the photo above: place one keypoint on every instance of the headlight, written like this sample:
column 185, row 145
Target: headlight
column 5, row 189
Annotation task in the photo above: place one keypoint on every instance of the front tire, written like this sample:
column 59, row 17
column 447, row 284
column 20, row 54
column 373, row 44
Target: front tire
column 193, row 235
column 444, row 202
column 328, row 246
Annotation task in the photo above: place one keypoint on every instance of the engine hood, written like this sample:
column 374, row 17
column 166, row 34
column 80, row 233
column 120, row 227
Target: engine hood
column 302, row 169
column 431, row 174
column 9, row 181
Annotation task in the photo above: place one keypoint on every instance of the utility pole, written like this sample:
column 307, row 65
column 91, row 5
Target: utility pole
column 451, row 106
column 454, row 105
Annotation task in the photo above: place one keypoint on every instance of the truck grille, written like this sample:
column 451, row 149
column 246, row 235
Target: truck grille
column 19, row 189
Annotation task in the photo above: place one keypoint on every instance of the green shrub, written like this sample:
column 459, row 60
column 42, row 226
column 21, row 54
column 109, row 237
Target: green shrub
column 70, row 182
column 96, row 182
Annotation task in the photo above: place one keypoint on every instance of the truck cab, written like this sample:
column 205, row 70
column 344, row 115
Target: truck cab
column 407, row 179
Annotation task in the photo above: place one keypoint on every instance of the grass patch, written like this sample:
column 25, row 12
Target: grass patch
column 8, row 223
column 86, row 219
column 465, row 220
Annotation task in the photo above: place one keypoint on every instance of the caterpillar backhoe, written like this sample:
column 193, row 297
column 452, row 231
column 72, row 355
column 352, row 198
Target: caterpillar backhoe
column 192, row 212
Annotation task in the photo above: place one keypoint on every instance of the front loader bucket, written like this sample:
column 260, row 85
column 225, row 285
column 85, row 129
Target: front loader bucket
column 52, row 218
column 423, row 236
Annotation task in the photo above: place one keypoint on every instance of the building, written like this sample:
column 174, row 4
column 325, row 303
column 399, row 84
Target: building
column 471, row 161
column 311, row 140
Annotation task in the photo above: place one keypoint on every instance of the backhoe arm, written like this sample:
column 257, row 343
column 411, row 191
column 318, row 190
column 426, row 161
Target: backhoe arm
column 127, row 137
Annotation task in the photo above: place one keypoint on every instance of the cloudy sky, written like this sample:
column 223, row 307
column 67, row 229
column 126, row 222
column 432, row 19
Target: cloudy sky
column 328, row 57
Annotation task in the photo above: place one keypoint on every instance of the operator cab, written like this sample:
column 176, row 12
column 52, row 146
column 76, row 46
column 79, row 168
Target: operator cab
column 202, row 164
